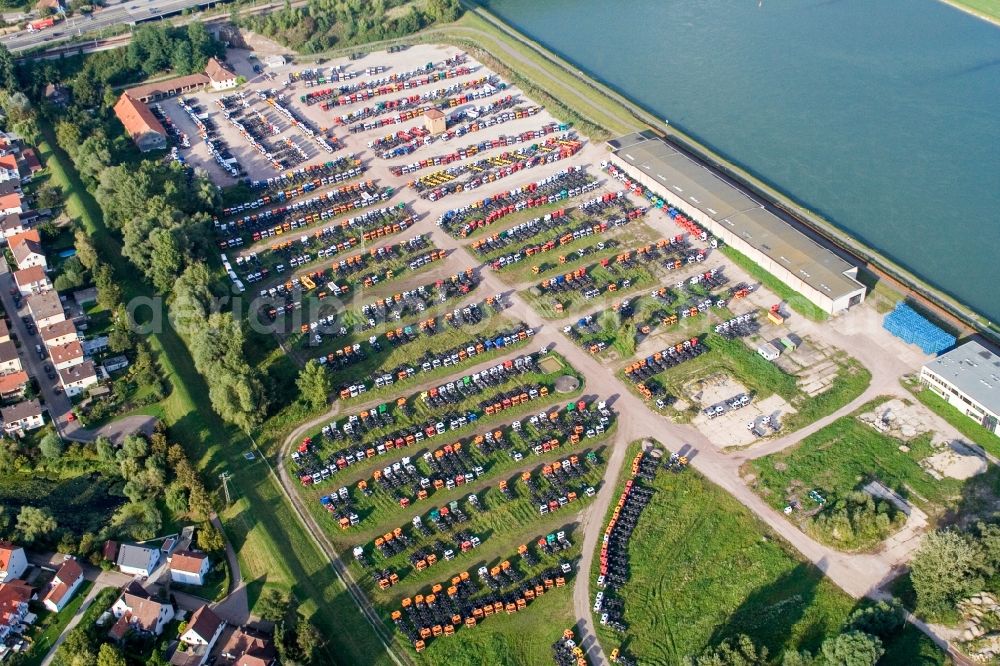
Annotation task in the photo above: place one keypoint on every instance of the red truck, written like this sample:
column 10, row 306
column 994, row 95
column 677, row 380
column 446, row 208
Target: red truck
column 41, row 24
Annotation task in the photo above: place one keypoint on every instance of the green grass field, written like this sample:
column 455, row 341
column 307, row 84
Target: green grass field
column 704, row 569
column 844, row 456
column 988, row 9
column 792, row 298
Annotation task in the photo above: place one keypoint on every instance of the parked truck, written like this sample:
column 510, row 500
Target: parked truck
column 41, row 24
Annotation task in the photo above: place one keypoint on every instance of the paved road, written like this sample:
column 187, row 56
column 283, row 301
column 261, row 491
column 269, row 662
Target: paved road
column 124, row 13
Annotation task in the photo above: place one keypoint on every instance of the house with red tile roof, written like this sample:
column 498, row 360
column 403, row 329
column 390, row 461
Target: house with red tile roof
column 68, row 578
column 14, row 598
column 198, row 639
column 140, row 124
column 138, row 612
column 188, row 567
column 13, row 562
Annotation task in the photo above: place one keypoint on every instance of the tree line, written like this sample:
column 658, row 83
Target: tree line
column 325, row 24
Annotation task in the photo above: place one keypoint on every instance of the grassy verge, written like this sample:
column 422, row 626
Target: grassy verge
column 988, row 10
column 53, row 626
column 965, row 425
column 727, row 574
column 792, row 298
column 273, row 546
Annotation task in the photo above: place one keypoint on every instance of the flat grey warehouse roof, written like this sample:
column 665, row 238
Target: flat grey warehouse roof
column 743, row 215
column 974, row 370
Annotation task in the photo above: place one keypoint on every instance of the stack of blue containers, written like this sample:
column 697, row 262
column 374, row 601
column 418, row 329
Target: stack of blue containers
column 908, row 325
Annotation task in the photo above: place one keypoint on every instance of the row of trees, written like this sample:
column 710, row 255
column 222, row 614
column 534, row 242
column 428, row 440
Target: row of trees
column 324, row 24
column 217, row 342
column 860, row 643
column 298, row 641
column 91, row 79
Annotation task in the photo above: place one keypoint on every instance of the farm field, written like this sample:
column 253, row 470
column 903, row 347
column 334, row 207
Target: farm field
column 725, row 575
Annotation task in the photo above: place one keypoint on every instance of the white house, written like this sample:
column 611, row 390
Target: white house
column 67, row 355
column 137, row 611
column 12, row 561
column 11, row 204
column 22, row 416
column 77, row 378
column 220, row 77
column 197, row 641
column 9, row 359
column 63, row 586
column 31, row 280
column 27, row 253
column 137, row 560
column 46, row 308
column 189, row 568
column 58, row 334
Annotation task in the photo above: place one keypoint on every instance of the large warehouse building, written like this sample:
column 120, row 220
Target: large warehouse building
column 740, row 221
column 968, row 377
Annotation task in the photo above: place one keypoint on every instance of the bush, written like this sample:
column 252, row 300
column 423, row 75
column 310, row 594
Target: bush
column 882, row 620
column 856, row 521
column 853, row 648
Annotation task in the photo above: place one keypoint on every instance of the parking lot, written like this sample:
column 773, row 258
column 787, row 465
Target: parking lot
column 407, row 261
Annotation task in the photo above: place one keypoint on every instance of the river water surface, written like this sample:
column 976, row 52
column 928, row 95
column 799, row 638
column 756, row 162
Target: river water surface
column 881, row 115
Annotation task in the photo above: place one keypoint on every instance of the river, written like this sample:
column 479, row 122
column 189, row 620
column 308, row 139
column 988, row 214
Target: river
column 881, row 115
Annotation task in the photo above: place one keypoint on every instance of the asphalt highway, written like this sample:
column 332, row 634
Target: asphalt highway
column 131, row 12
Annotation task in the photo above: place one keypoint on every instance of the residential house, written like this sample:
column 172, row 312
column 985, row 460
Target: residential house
column 68, row 578
column 14, row 598
column 77, row 378
column 197, row 641
column 249, row 647
column 9, row 359
column 23, row 416
column 115, row 363
column 8, row 169
column 137, row 611
column 94, row 345
column 67, row 355
column 46, row 308
column 31, row 164
column 12, row 562
column 146, row 131
column 137, row 560
column 58, row 334
column 11, row 203
column 27, row 252
column 189, row 568
column 12, row 225
column 27, row 234
column 13, row 385
column 32, row 280
column 219, row 75
column 4, row 331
